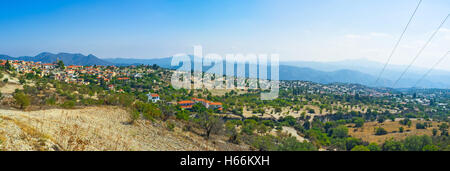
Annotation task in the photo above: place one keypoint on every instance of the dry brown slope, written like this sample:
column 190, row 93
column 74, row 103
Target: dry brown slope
column 92, row 128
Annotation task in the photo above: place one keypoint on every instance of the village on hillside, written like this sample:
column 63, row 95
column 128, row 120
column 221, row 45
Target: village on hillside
column 75, row 74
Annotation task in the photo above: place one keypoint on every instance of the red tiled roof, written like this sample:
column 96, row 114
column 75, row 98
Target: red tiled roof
column 154, row 95
column 186, row 102
column 74, row 66
column 123, row 78
column 215, row 103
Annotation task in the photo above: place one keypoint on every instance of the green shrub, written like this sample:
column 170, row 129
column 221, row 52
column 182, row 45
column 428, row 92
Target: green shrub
column 22, row 99
column 339, row 132
column 249, row 126
column 430, row 148
column 170, row 125
column 359, row 122
column 291, row 144
column 420, row 126
column 149, row 111
column 50, row 101
column 70, row 104
column 134, row 115
column 264, row 143
column 182, row 115
column 417, row 143
column 374, row 147
column 380, row 131
column 392, row 145
column 360, row 148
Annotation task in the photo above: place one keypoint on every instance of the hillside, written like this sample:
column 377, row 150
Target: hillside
column 94, row 129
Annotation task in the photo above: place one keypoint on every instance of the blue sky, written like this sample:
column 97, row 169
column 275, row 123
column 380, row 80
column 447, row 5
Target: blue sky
column 319, row 30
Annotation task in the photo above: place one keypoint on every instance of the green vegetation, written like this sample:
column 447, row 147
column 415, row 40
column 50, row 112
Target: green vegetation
column 401, row 129
column 22, row 100
column 380, row 131
column 60, row 64
column 68, row 104
column 417, row 143
column 210, row 123
column 360, row 148
column 374, row 147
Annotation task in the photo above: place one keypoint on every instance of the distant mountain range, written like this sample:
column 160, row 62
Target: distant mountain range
column 368, row 67
column 362, row 72
column 67, row 58
column 436, row 79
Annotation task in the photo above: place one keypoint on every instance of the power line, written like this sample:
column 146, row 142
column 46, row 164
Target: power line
column 398, row 43
column 421, row 50
column 432, row 68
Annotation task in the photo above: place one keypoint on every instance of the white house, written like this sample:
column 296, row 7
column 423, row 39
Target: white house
column 153, row 97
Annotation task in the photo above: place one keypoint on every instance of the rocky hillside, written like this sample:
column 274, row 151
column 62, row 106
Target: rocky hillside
column 95, row 129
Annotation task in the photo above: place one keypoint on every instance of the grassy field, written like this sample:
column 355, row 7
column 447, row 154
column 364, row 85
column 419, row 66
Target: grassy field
column 367, row 132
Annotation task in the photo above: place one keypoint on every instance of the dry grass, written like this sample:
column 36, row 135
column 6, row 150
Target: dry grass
column 2, row 140
column 367, row 132
column 9, row 88
column 95, row 129
column 30, row 134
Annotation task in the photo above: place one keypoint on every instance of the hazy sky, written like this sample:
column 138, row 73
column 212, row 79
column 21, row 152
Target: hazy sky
column 309, row 30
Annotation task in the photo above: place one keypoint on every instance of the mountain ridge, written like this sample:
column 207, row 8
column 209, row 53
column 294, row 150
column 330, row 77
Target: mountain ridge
column 67, row 58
